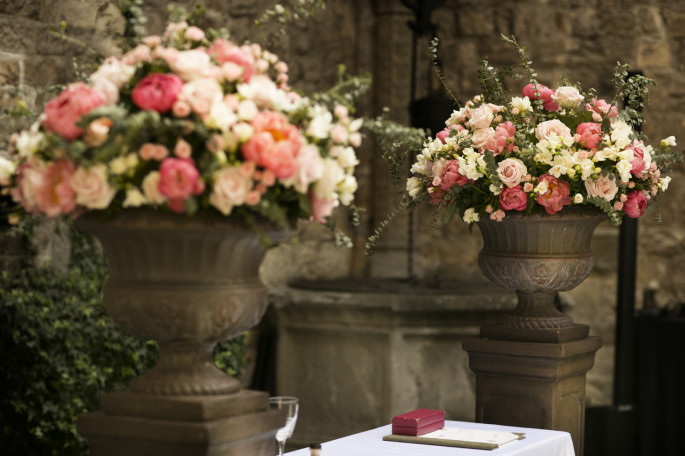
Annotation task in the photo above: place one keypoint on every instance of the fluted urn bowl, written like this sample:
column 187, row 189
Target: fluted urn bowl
column 187, row 283
column 538, row 255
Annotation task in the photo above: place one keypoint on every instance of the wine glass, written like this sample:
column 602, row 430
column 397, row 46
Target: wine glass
column 288, row 407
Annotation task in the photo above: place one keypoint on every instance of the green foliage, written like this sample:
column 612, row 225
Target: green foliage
column 281, row 15
column 60, row 351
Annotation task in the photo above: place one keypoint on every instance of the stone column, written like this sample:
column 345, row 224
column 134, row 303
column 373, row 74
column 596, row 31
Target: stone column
column 533, row 384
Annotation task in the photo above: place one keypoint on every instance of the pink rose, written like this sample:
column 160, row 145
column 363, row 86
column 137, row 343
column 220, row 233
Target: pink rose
column 224, row 51
column 96, row 132
column 511, row 171
column 91, row 187
column 481, row 138
column 310, row 168
column 274, row 145
column 194, row 33
column 567, row 97
column 183, row 149
column 64, row 111
column 157, row 92
column 513, row 199
column 179, row 179
column 603, row 187
column 29, row 178
column 54, row 194
column 481, row 117
column 230, row 189
column 451, row 176
column 601, row 109
column 588, row 134
column 140, row 53
column 556, row 196
column 543, row 93
column 545, row 129
column 503, row 139
column 635, row 205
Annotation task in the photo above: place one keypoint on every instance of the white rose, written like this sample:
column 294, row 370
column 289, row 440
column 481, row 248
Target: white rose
column 151, row 188
column 230, row 188
column 578, row 198
column 192, row 64
column 114, row 71
column 261, row 90
column 481, row 117
column 28, row 143
column 91, row 187
column 604, row 187
column 545, row 129
column 567, row 97
column 511, row 171
column 320, row 125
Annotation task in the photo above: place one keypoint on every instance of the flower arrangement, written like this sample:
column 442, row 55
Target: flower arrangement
column 545, row 149
column 184, row 122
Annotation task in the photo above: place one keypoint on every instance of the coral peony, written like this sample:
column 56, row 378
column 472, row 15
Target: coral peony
column 179, row 179
column 64, row 111
column 557, row 195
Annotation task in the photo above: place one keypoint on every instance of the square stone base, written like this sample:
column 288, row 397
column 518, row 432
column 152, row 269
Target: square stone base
column 532, row 384
column 140, row 425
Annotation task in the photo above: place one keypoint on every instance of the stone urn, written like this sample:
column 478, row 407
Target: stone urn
column 187, row 283
column 538, row 255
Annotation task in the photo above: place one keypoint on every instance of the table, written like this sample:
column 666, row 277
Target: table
column 538, row 442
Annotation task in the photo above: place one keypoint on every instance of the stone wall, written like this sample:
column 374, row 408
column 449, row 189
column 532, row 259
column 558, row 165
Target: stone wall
column 581, row 39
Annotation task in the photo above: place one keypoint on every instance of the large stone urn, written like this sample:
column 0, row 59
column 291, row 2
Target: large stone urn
column 187, row 283
column 531, row 365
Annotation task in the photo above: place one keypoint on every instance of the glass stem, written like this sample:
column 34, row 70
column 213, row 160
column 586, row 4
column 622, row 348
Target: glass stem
column 281, row 447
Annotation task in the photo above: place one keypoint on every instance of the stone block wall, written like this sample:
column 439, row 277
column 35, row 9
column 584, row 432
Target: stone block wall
column 581, row 39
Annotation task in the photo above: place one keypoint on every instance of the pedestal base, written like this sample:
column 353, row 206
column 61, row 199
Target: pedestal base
column 141, row 425
column 533, row 384
column 535, row 335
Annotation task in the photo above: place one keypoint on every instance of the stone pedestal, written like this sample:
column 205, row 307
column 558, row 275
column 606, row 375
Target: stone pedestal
column 533, row 384
column 133, row 424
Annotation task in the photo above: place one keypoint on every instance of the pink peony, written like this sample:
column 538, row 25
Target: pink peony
column 54, row 193
column 588, row 134
column 224, row 51
column 543, row 93
column 503, row 139
column 274, row 145
column 451, row 176
column 179, row 179
column 513, row 199
column 635, row 205
column 64, row 111
column 157, row 92
column 556, row 196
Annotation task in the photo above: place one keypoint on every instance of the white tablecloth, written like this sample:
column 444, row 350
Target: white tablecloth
column 538, row 442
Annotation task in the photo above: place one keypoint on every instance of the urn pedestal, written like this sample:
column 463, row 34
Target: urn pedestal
column 188, row 283
column 531, row 366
